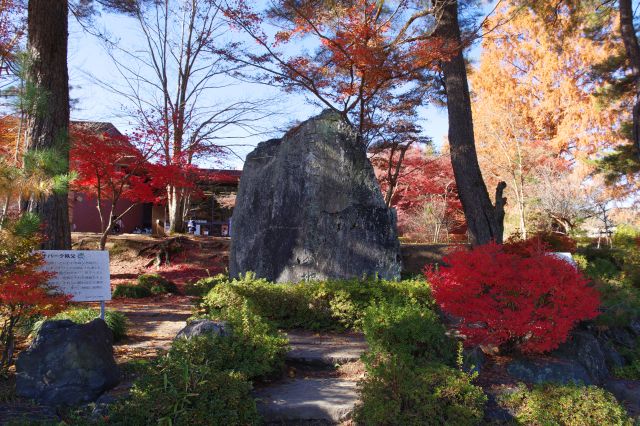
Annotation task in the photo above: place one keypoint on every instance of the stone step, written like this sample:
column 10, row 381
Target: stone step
column 324, row 349
column 307, row 401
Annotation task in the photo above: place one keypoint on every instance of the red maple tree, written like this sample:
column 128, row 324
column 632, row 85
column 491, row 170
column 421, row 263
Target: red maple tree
column 527, row 299
column 111, row 168
column 413, row 178
column 24, row 289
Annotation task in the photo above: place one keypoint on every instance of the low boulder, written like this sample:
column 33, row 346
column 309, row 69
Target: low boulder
column 548, row 370
column 68, row 363
column 204, row 327
column 584, row 348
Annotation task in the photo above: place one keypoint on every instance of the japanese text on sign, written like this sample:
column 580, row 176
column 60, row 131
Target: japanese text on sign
column 82, row 274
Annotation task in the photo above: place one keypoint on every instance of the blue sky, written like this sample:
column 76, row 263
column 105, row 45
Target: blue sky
column 88, row 61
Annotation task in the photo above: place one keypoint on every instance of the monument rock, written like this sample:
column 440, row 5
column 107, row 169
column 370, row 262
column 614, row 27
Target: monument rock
column 309, row 207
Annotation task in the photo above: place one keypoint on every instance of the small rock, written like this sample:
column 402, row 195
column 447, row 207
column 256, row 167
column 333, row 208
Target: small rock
column 68, row 363
column 584, row 348
column 203, row 327
column 545, row 370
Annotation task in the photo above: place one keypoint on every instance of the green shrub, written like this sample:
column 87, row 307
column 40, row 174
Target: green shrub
column 157, row 284
column 132, row 291
column 620, row 302
column 181, row 392
column 566, row 405
column 116, row 321
column 398, row 393
column 407, row 330
column 630, row 372
column 204, row 285
column 325, row 305
column 206, row 380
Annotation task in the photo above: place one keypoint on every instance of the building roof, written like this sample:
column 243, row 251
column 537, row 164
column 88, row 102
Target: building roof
column 222, row 176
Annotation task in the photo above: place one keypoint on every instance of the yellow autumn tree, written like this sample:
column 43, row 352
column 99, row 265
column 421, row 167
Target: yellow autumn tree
column 535, row 107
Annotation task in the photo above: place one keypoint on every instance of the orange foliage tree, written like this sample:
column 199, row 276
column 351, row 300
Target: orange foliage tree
column 545, row 115
column 365, row 53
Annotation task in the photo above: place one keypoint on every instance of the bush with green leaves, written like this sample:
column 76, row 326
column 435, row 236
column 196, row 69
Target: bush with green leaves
column 116, row 321
column 204, row 285
column 131, row 291
column 407, row 330
column 326, row 305
column 157, row 284
column 611, row 270
column 206, row 379
column 147, row 285
column 566, row 405
column 398, row 392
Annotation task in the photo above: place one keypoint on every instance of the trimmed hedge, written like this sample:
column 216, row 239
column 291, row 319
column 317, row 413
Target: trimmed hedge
column 327, row 305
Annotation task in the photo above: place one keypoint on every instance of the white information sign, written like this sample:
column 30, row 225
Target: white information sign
column 82, row 274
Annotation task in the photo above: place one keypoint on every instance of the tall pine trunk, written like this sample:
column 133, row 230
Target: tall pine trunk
column 632, row 48
column 481, row 216
column 48, row 123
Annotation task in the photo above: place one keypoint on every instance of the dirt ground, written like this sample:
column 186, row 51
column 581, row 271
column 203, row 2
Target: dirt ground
column 154, row 322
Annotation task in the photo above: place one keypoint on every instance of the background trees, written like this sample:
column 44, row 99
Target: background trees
column 169, row 83
column 545, row 129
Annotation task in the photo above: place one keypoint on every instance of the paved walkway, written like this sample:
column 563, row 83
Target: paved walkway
column 321, row 387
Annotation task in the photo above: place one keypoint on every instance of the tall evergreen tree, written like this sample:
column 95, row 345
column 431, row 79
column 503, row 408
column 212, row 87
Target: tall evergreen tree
column 47, row 26
column 484, row 220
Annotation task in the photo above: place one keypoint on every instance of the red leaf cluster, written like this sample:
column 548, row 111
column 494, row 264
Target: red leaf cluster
column 24, row 291
column 527, row 298
column 110, row 167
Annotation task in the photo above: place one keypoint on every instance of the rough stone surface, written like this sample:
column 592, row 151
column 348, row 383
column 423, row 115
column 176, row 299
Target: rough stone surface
column 67, row 363
column 322, row 401
column 584, row 348
column 628, row 393
column 309, row 207
column 325, row 349
column 545, row 370
column 202, row 327
column 611, row 354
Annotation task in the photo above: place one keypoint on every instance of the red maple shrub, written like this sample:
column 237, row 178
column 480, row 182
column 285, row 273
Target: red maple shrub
column 523, row 298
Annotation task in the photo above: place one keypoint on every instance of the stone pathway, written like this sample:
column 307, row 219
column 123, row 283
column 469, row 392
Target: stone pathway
column 321, row 389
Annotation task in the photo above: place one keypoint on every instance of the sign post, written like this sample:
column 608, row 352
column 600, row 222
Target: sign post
column 82, row 274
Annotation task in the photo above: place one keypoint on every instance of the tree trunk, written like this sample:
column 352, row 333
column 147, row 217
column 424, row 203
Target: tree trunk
column 480, row 214
column 175, row 210
column 632, row 48
column 47, row 126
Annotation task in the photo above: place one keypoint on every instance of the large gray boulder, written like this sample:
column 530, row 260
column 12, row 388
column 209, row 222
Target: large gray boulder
column 68, row 363
column 309, row 208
